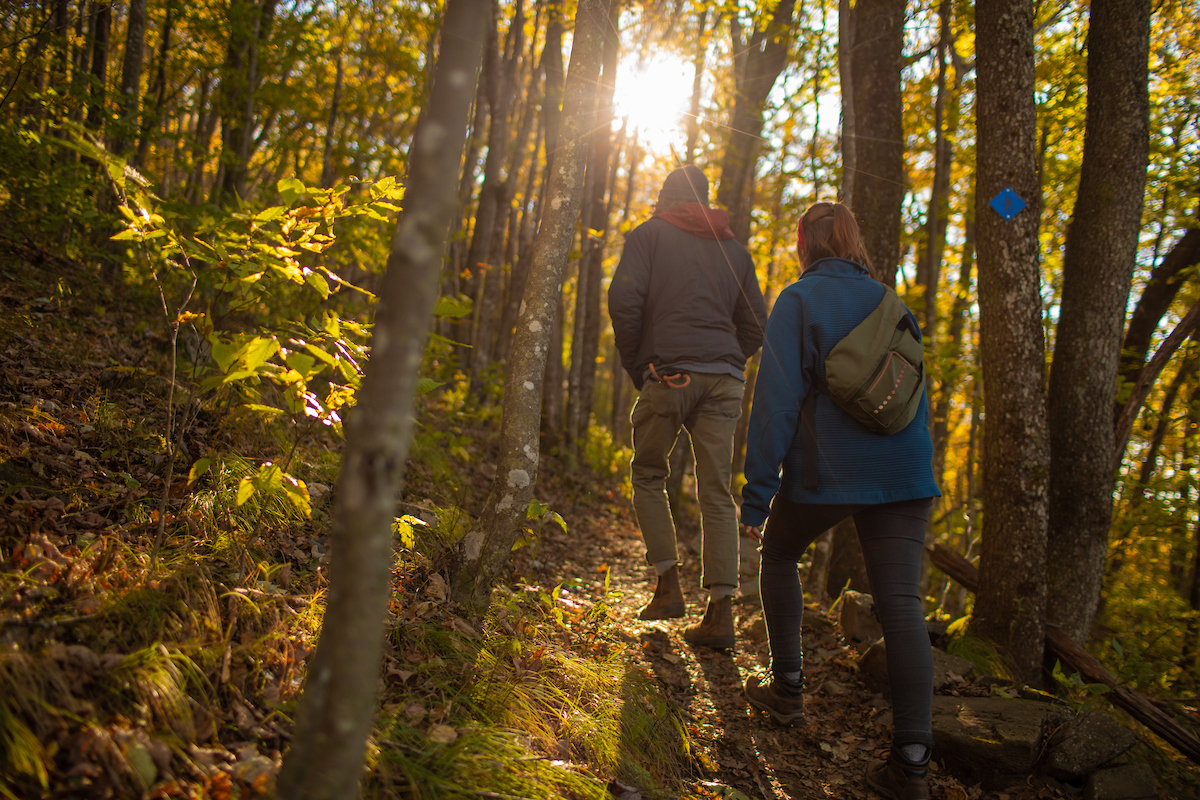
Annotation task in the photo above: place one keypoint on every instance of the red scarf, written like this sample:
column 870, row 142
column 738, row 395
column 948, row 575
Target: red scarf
column 699, row 219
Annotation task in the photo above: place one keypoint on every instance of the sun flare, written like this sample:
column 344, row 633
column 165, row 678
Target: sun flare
column 654, row 96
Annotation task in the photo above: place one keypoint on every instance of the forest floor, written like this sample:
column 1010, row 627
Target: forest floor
column 847, row 725
column 117, row 680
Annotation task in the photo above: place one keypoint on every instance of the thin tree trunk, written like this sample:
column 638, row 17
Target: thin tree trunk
column 336, row 712
column 101, row 27
column 327, row 167
column 765, row 59
column 953, row 369
column 1146, row 378
column 938, row 218
column 152, row 118
column 1011, row 606
column 846, row 82
column 1166, row 280
column 131, row 75
column 480, row 555
column 586, row 345
column 693, row 122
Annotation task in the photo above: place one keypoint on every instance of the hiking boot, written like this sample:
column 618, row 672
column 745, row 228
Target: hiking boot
column 899, row 779
column 716, row 629
column 667, row 602
column 785, row 704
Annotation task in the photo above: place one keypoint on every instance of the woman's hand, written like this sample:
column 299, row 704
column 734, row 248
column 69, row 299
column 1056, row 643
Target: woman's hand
column 753, row 531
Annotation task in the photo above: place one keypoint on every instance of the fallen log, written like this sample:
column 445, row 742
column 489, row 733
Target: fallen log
column 1075, row 659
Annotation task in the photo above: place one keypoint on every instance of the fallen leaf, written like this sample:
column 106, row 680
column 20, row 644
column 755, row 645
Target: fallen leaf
column 443, row 734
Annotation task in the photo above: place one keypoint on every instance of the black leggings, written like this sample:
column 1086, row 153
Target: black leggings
column 892, row 537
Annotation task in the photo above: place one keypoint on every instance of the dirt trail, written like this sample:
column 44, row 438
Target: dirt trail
column 847, row 725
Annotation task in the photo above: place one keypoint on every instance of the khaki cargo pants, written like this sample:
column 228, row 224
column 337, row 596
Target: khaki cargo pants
column 709, row 407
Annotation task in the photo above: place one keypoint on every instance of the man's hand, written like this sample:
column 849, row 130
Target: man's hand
column 753, row 531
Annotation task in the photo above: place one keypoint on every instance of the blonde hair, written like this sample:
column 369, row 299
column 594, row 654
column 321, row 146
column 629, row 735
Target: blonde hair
column 829, row 230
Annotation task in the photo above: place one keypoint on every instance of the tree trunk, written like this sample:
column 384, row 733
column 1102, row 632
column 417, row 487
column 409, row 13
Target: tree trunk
column 101, row 27
column 327, row 166
column 250, row 25
column 585, row 345
column 953, row 369
column 879, row 181
column 929, row 271
column 847, row 568
column 131, row 76
column 338, row 706
column 1011, row 605
column 479, row 556
column 1166, row 280
column 1146, row 378
column 765, row 59
column 152, row 118
column 693, row 121
column 1098, row 261
column 482, row 260
column 846, row 81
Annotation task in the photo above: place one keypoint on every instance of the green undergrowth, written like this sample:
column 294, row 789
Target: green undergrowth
column 542, row 702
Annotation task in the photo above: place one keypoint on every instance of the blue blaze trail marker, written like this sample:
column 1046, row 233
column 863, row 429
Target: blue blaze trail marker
column 1007, row 203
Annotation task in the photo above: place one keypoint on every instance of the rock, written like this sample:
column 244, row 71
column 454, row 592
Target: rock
column 754, row 628
column 873, row 667
column 990, row 739
column 859, row 625
column 1085, row 744
column 1126, row 782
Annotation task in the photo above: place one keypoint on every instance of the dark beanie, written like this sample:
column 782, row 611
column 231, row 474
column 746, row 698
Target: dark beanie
column 686, row 183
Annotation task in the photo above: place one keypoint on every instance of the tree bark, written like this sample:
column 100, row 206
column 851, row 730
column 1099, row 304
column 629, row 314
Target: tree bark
column 250, row 26
column 585, row 345
column 693, row 121
column 327, row 166
column 846, row 81
column 765, row 59
column 929, row 272
column 879, row 180
column 1010, row 608
column 336, row 712
column 478, row 557
column 1146, row 378
column 1166, row 279
column 131, row 75
column 101, row 27
column 1101, row 249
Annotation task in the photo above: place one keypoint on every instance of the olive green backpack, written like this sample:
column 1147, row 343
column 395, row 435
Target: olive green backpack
column 876, row 374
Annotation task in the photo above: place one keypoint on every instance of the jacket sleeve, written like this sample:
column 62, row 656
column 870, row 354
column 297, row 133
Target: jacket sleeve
column 627, row 300
column 750, row 314
column 775, row 413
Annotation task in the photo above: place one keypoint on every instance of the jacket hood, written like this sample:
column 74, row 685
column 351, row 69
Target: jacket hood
column 698, row 219
column 836, row 267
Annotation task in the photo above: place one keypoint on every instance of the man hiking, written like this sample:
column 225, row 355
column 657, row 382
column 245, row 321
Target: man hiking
column 687, row 312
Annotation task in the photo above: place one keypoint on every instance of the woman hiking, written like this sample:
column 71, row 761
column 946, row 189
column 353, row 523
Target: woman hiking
column 885, row 482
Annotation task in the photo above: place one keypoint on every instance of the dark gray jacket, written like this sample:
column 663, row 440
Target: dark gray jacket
column 677, row 297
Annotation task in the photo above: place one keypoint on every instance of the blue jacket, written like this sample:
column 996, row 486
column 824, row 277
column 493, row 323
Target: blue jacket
column 855, row 465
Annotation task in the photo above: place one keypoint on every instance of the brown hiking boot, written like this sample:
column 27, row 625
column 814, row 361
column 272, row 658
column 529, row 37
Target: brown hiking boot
column 716, row 629
column 667, row 602
column 897, row 778
column 786, row 707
